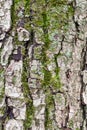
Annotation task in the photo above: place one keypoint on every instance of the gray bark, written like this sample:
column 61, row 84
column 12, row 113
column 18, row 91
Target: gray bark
column 43, row 65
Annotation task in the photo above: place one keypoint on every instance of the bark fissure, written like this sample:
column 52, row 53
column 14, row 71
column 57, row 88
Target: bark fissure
column 83, row 88
column 43, row 65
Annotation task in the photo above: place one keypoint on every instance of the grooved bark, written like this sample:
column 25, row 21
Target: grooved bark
column 43, row 65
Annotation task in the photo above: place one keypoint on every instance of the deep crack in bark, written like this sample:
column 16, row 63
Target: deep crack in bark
column 83, row 85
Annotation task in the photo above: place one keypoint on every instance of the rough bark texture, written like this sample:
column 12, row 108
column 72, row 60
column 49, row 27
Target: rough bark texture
column 43, row 65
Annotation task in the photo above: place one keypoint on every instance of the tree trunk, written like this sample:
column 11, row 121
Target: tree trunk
column 43, row 65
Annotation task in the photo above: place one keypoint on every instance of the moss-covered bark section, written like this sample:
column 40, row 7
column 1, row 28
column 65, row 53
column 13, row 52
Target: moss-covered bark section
column 26, row 60
column 2, row 96
column 54, row 18
column 44, row 57
column 26, row 91
column 50, row 16
column 20, row 13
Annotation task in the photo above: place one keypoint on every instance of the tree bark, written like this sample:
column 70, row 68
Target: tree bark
column 43, row 65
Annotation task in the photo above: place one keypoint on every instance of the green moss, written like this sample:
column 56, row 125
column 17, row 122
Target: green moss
column 26, row 91
column 2, row 88
column 25, row 80
column 14, row 79
column 57, row 70
column 17, row 42
column 50, row 80
column 2, row 93
column 29, row 116
column 59, row 13
column 14, row 19
column 28, row 100
column 48, row 111
column 71, row 124
column 47, row 78
column 55, row 82
column 29, row 103
column 2, row 110
column 45, row 30
column 37, row 52
column 48, row 121
column 14, row 16
column 27, row 25
column 70, row 10
column 1, row 72
column 77, row 128
column 27, row 6
column 59, row 21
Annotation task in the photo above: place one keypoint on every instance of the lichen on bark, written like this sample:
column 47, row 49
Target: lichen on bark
column 43, row 64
